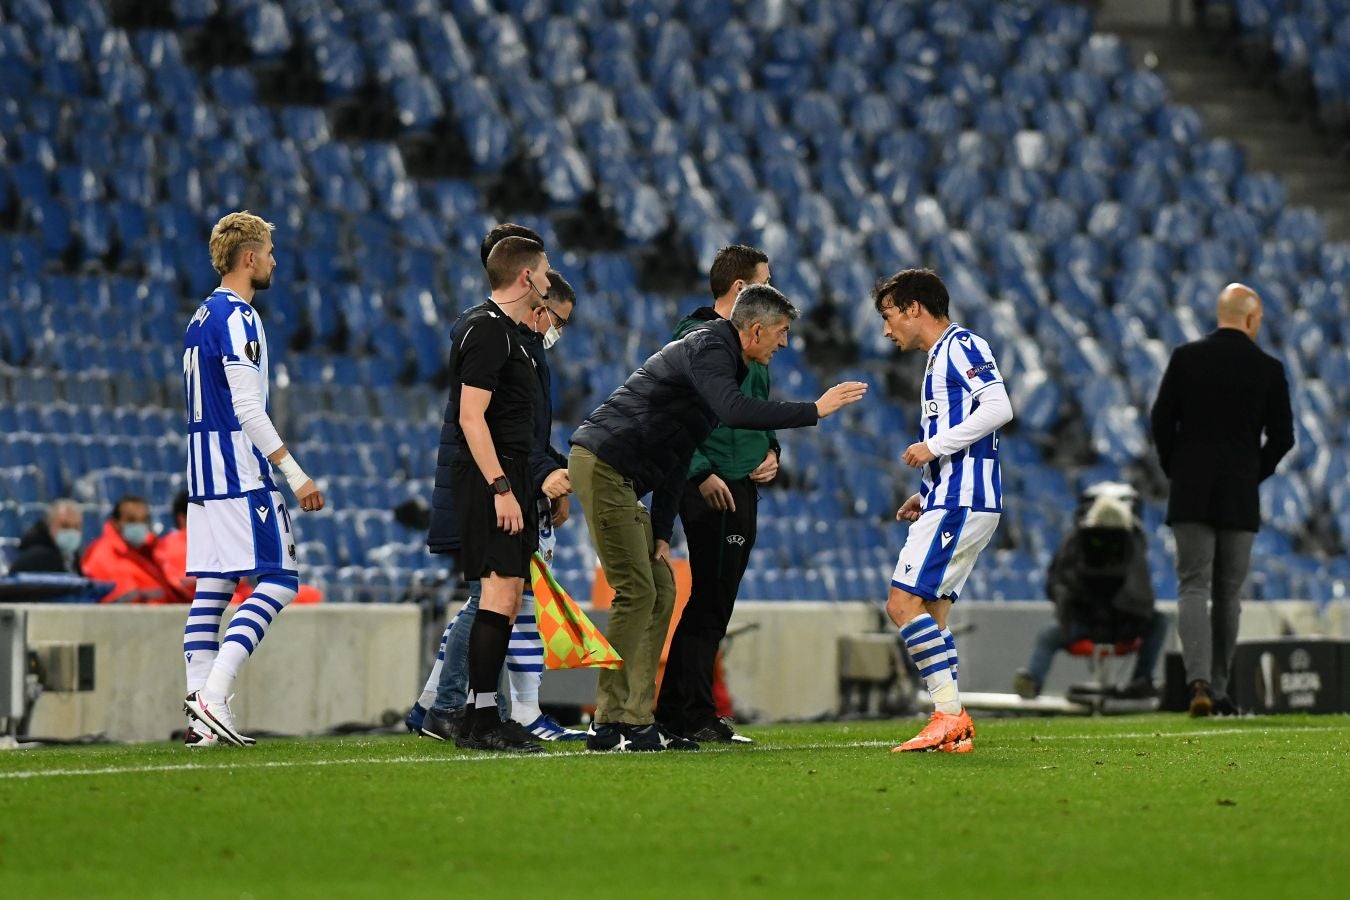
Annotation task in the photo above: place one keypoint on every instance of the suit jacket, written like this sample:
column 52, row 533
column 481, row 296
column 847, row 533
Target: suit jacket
column 1218, row 395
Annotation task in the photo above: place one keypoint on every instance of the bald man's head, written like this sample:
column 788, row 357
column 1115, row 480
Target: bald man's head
column 1240, row 307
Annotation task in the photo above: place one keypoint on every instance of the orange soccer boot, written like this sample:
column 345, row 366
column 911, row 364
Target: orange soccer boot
column 942, row 728
column 965, row 744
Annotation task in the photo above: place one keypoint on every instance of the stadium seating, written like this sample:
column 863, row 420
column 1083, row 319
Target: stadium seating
column 1309, row 43
column 1083, row 221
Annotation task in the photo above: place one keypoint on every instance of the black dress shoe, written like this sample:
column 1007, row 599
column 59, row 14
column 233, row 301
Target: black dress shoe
column 500, row 738
column 1201, row 703
column 443, row 726
column 718, row 731
column 1225, row 707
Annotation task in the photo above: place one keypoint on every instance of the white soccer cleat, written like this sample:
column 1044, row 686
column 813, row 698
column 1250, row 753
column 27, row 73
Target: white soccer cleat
column 198, row 737
column 217, row 717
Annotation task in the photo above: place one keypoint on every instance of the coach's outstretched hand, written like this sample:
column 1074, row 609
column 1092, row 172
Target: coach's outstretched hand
column 311, row 498
column 839, row 396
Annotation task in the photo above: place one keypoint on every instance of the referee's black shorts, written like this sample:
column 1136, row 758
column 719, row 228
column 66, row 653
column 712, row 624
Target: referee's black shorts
column 485, row 548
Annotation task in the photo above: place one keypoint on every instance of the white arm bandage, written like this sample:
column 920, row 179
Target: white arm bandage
column 295, row 476
column 994, row 412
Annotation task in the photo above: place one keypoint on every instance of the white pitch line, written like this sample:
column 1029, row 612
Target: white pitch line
column 1208, row 732
column 402, row 760
column 1021, row 744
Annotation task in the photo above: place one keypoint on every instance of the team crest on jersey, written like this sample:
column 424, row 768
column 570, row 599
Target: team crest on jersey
column 290, row 550
column 737, row 539
column 253, row 350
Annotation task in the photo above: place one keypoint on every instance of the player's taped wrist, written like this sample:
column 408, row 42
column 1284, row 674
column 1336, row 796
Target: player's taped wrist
column 295, row 476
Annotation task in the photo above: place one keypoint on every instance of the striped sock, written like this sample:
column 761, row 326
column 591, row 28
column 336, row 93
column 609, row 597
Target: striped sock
column 428, row 697
column 247, row 629
column 201, row 635
column 951, row 653
column 525, row 663
column 923, row 640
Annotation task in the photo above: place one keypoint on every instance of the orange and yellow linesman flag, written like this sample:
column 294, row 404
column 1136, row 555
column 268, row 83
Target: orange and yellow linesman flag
column 571, row 641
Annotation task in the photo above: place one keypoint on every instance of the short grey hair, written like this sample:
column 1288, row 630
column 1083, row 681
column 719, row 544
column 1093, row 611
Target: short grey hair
column 56, row 507
column 761, row 303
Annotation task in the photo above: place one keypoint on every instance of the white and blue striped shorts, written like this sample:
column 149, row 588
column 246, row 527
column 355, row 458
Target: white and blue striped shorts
column 249, row 535
column 941, row 550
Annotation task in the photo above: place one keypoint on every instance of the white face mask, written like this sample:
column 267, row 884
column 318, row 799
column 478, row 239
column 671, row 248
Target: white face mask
column 135, row 533
column 68, row 540
column 551, row 336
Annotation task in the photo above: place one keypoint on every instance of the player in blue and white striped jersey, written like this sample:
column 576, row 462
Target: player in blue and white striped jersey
column 958, row 505
column 237, row 522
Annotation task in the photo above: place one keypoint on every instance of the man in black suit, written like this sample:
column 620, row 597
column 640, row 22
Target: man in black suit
column 1217, row 397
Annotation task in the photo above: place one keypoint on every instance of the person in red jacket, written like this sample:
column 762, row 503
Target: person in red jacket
column 125, row 555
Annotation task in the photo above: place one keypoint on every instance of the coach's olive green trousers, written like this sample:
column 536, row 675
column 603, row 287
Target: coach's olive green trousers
column 621, row 530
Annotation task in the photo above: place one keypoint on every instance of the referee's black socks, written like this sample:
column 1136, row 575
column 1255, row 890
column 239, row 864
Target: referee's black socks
column 487, row 653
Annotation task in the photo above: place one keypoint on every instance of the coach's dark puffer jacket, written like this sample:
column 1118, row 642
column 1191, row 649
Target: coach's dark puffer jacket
column 649, row 427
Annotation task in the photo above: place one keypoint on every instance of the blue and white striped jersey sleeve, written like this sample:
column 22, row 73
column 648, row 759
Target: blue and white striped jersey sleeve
column 241, row 344
column 973, row 362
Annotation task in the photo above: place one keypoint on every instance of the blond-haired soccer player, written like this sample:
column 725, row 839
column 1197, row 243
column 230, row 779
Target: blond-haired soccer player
column 237, row 523
column 959, row 503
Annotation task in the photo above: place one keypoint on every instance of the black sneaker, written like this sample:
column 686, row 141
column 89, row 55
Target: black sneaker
column 718, row 731
column 499, row 738
column 615, row 737
column 443, row 726
column 668, row 740
column 1225, row 707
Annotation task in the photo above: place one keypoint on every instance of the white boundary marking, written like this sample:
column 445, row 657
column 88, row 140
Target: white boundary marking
column 1019, row 744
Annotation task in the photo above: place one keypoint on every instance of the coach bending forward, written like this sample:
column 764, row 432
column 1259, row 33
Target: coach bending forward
column 641, row 439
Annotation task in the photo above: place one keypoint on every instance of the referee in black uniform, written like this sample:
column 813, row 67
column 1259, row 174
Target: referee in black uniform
column 492, row 393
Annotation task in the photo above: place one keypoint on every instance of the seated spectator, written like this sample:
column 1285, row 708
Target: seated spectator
column 170, row 554
column 53, row 543
column 1099, row 582
column 170, row 550
column 124, row 555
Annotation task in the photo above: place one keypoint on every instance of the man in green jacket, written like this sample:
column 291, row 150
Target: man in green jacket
column 718, row 510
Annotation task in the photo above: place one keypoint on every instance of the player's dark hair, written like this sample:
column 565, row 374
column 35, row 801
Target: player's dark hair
column 737, row 262
column 509, row 256
column 921, row 286
column 559, row 290
column 761, row 303
column 505, row 230
column 123, row 501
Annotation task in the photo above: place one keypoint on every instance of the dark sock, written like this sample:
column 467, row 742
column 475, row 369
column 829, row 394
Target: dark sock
column 487, row 654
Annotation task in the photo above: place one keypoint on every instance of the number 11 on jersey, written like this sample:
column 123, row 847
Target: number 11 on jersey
column 192, row 383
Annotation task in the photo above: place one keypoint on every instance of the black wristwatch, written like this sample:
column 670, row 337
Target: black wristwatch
column 499, row 485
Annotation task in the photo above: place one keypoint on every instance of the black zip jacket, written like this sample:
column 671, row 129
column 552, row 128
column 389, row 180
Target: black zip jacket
column 649, row 427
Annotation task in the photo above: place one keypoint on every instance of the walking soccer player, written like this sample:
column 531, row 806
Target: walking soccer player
column 237, row 523
column 958, row 505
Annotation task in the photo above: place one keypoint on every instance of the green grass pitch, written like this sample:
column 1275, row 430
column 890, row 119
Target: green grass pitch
column 1146, row 806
